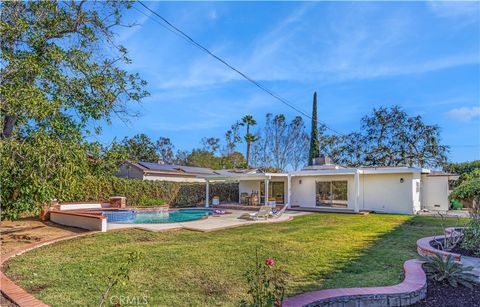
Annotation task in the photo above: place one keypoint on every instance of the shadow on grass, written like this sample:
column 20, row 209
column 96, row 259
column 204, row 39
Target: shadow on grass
column 381, row 262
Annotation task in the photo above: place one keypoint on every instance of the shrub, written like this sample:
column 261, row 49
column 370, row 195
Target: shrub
column 151, row 202
column 266, row 283
column 448, row 271
column 471, row 233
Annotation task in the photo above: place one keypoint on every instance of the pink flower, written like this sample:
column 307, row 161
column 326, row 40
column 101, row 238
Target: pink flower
column 270, row 262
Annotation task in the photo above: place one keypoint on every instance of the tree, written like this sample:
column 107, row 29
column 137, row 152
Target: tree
column 233, row 160
column 248, row 121
column 299, row 138
column 211, row 144
column 389, row 137
column 314, row 151
column 61, row 68
column 468, row 185
column 280, row 144
column 181, row 157
column 232, row 138
column 462, row 167
column 62, row 74
column 204, row 158
column 105, row 160
column 140, row 148
column 165, row 150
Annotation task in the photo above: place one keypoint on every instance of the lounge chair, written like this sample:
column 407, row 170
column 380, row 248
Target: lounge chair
column 279, row 213
column 264, row 212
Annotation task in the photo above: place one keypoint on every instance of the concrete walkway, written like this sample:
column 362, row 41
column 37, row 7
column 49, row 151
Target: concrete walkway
column 449, row 213
column 473, row 262
column 212, row 223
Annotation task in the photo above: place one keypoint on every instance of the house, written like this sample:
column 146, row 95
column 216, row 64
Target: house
column 165, row 172
column 403, row 190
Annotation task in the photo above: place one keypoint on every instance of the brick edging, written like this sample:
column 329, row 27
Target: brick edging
column 411, row 290
column 14, row 292
column 424, row 248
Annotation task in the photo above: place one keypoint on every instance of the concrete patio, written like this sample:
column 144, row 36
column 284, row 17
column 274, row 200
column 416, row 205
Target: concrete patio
column 212, row 223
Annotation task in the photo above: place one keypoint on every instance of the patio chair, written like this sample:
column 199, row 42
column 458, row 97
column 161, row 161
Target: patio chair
column 264, row 212
column 244, row 198
column 279, row 213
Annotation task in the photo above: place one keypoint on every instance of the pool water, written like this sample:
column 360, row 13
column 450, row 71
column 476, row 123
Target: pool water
column 148, row 217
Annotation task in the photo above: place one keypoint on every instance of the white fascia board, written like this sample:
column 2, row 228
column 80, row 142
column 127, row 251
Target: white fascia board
column 392, row 170
column 235, row 177
column 342, row 171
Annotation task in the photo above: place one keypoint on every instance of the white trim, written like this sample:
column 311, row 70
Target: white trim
column 289, row 191
column 207, row 194
column 356, row 200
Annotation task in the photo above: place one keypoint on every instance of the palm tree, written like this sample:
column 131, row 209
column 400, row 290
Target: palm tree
column 248, row 121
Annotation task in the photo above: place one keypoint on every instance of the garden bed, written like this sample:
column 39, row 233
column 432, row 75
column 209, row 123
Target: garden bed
column 446, row 295
column 462, row 251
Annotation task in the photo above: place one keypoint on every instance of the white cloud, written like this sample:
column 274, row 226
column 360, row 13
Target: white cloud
column 462, row 9
column 464, row 113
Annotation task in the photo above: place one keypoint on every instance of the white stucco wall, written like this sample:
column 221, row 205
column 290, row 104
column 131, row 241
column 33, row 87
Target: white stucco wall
column 385, row 193
column 303, row 194
column 80, row 206
column 378, row 192
column 435, row 193
column 247, row 186
column 84, row 222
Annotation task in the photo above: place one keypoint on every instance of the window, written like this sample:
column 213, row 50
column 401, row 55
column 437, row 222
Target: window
column 332, row 193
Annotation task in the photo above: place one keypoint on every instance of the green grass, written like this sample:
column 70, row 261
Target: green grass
column 184, row 268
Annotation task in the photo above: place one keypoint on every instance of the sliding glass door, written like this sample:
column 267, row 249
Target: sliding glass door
column 275, row 190
column 332, row 193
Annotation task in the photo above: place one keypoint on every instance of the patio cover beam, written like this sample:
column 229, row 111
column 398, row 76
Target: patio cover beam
column 207, row 193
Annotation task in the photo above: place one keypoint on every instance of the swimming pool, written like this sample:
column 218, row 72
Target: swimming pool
column 150, row 217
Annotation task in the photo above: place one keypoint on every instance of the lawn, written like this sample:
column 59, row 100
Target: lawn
column 185, row 268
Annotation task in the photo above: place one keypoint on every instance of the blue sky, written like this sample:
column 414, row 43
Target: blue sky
column 423, row 56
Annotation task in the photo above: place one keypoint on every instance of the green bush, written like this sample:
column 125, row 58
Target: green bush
column 468, row 187
column 448, row 271
column 151, row 202
column 471, row 233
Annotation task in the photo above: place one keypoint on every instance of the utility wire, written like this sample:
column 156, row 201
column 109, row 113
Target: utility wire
column 201, row 47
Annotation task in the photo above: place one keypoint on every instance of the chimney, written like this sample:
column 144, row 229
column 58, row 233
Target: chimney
column 160, row 162
column 324, row 160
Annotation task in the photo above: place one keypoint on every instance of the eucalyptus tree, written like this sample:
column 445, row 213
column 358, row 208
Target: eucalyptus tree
column 165, row 150
column 140, row 148
column 232, row 138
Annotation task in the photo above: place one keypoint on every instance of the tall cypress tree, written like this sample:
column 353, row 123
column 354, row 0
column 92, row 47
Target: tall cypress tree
column 314, row 144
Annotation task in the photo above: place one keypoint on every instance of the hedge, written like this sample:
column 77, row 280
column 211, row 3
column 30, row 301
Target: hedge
column 135, row 190
column 91, row 188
